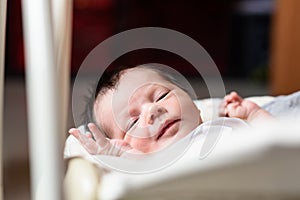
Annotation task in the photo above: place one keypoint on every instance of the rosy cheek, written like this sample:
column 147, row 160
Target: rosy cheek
column 140, row 144
column 173, row 105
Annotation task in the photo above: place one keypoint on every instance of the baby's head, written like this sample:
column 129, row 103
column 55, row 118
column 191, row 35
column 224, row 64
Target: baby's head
column 143, row 107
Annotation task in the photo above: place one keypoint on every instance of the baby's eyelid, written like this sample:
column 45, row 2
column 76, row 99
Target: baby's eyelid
column 132, row 123
column 162, row 95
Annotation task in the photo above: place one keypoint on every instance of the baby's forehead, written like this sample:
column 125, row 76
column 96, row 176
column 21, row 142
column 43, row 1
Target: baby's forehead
column 133, row 80
column 141, row 76
column 142, row 71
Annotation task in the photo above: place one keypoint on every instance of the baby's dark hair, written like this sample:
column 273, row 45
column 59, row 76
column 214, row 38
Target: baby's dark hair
column 108, row 80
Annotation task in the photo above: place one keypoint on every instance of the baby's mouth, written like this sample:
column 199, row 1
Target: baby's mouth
column 165, row 127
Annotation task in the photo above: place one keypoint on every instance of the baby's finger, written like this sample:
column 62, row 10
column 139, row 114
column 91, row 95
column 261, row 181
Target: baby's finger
column 236, row 97
column 229, row 98
column 75, row 132
column 233, row 105
column 235, row 110
column 89, row 135
column 98, row 135
column 85, row 140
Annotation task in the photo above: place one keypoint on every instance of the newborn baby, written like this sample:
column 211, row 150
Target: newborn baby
column 140, row 110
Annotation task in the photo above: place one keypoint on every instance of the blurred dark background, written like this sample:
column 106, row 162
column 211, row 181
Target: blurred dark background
column 234, row 32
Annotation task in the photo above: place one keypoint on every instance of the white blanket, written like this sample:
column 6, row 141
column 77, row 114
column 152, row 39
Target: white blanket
column 262, row 162
column 259, row 162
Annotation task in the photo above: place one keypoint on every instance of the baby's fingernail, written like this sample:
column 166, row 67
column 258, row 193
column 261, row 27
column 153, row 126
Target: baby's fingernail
column 71, row 130
column 90, row 124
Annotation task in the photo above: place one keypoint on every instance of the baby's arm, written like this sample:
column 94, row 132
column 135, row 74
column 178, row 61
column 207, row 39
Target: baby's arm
column 235, row 106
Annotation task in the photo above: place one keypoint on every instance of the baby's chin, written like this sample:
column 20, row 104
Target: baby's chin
column 164, row 144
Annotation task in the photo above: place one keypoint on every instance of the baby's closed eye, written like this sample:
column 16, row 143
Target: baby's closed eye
column 132, row 123
column 161, row 96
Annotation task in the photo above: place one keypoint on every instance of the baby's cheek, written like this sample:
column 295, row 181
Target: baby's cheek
column 191, row 113
column 140, row 144
column 173, row 105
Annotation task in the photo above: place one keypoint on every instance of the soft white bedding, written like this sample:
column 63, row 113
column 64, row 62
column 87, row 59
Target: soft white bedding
column 261, row 162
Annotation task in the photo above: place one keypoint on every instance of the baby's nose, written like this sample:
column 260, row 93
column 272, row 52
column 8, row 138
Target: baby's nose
column 154, row 112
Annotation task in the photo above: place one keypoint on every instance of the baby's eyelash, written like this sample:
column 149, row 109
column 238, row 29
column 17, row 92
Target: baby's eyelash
column 162, row 96
column 132, row 123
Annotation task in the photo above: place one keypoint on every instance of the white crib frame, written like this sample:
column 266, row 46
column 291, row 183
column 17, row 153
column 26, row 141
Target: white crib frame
column 47, row 35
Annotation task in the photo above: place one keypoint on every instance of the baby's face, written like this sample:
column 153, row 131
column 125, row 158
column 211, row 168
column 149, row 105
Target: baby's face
column 146, row 111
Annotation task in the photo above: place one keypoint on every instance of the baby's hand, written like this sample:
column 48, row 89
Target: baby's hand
column 235, row 106
column 101, row 144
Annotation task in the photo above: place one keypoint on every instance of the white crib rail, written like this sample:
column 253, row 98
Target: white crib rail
column 3, row 5
column 62, row 26
column 47, row 53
